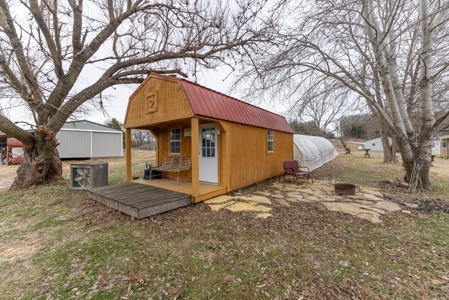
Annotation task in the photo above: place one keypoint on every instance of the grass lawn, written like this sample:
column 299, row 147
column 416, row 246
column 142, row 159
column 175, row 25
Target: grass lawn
column 57, row 244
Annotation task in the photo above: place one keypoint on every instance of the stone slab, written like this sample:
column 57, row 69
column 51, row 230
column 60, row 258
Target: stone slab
column 255, row 199
column 307, row 191
column 348, row 208
column 305, row 200
column 371, row 192
column 370, row 217
column 364, row 202
column 372, row 197
column 219, row 199
column 370, row 208
column 288, row 189
column 293, row 195
column 241, row 206
column 277, row 185
column 217, row 207
column 291, row 199
column 387, row 205
column 282, row 202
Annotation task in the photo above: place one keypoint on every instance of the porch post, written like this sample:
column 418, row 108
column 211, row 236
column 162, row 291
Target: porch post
column 128, row 154
column 195, row 158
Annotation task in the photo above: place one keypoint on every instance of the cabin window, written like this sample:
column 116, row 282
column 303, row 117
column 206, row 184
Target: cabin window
column 444, row 144
column 270, row 139
column 175, row 141
column 373, row 144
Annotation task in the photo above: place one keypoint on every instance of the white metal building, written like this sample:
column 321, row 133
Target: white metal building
column 86, row 139
column 376, row 144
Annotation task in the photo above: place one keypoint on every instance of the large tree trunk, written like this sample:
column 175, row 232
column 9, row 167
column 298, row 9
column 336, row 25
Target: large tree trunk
column 417, row 174
column 389, row 150
column 42, row 162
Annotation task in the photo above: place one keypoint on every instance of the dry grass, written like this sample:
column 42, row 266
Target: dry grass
column 56, row 244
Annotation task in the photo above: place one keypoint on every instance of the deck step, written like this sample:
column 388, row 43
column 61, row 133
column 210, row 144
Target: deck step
column 138, row 200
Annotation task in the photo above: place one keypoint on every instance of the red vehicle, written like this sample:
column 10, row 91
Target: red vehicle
column 14, row 152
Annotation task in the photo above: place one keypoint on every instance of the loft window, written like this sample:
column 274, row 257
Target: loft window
column 270, row 138
column 175, row 141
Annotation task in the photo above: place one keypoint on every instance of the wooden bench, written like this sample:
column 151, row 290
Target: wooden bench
column 175, row 164
column 292, row 168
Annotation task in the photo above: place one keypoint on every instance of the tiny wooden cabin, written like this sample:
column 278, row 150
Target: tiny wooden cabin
column 232, row 144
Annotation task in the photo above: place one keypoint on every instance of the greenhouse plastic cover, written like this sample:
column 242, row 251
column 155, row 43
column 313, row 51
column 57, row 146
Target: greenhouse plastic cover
column 312, row 151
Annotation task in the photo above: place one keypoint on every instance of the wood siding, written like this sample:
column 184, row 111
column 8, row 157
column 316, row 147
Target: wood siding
column 244, row 159
column 157, row 101
column 163, row 149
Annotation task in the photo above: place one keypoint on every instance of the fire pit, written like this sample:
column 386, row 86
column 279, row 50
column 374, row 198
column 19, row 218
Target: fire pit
column 344, row 188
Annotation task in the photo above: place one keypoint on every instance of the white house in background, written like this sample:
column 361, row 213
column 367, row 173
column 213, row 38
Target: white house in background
column 86, row 139
column 376, row 144
column 444, row 140
column 436, row 144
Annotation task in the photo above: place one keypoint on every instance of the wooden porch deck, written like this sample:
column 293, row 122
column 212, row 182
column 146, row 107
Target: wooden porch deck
column 206, row 190
column 144, row 198
column 139, row 200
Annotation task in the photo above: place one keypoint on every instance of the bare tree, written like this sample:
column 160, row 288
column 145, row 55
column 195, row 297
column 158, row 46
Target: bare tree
column 322, row 101
column 142, row 139
column 392, row 54
column 47, row 47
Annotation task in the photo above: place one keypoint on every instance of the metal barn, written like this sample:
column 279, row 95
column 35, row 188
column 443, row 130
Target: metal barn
column 86, row 139
column 376, row 144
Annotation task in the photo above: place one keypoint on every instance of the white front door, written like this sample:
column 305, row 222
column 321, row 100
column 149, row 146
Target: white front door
column 208, row 156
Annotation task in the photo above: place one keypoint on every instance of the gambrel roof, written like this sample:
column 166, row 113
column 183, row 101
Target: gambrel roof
column 209, row 103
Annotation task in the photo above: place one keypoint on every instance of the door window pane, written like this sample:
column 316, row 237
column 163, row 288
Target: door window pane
column 208, row 142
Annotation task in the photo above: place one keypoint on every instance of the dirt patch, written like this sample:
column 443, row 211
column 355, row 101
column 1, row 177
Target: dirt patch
column 20, row 250
column 440, row 166
column 8, row 175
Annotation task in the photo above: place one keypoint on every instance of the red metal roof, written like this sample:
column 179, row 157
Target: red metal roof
column 209, row 103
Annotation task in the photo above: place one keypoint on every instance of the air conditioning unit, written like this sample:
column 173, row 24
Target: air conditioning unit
column 88, row 175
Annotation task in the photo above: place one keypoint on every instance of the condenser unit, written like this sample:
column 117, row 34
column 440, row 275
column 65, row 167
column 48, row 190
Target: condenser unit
column 85, row 176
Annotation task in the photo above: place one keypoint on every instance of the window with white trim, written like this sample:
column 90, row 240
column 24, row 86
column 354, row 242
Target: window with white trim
column 270, row 138
column 175, row 141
